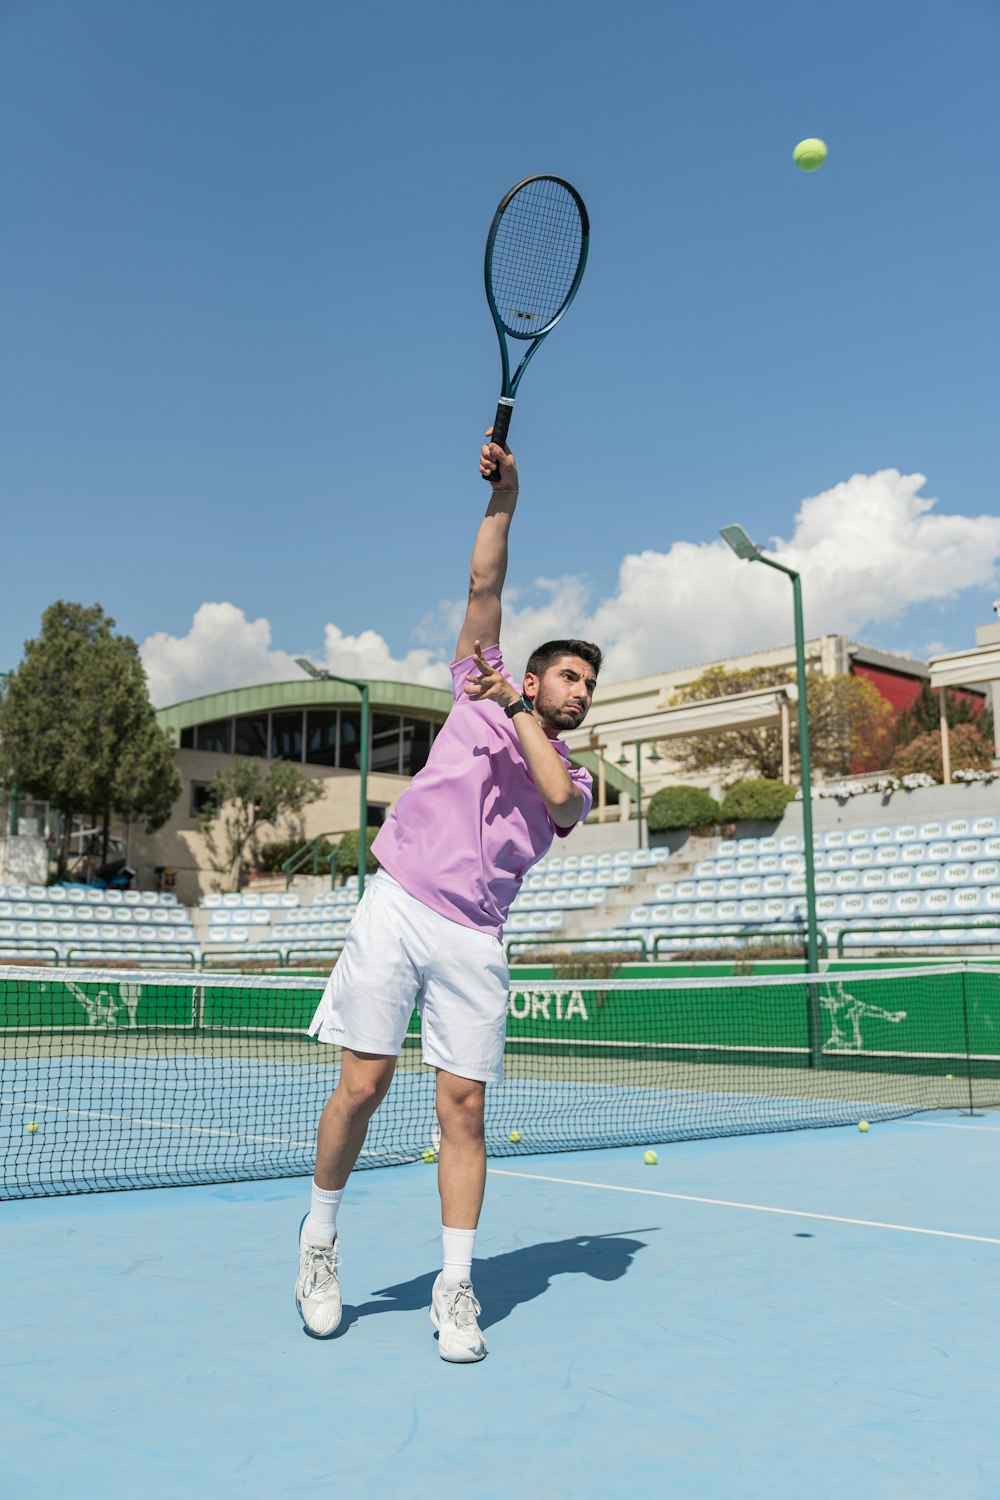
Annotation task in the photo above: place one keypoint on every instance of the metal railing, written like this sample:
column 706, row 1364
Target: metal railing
column 585, row 944
column 138, row 953
column 296, row 863
column 902, row 928
column 18, row 953
column 742, row 935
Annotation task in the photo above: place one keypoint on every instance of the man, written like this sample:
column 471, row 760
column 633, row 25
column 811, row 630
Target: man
column 496, row 789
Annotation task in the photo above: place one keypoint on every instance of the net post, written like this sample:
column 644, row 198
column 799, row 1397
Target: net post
column 971, row 1112
column 814, row 1020
column 198, row 1005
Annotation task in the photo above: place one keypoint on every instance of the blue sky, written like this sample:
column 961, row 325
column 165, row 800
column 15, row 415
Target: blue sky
column 247, row 357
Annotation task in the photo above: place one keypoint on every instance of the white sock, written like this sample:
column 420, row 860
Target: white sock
column 320, row 1227
column 458, row 1245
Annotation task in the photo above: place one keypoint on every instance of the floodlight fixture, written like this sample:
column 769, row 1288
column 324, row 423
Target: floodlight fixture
column 736, row 537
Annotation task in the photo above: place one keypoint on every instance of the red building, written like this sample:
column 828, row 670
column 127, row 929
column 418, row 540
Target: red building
column 899, row 678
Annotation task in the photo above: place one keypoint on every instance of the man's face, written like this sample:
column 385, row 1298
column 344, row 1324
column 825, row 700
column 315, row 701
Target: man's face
column 563, row 694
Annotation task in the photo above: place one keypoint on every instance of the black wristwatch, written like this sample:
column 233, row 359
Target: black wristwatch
column 520, row 705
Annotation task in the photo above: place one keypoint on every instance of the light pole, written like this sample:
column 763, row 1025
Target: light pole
column 741, row 544
column 322, row 675
column 623, row 761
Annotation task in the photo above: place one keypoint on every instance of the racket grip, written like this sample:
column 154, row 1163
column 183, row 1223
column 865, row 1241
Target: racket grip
column 501, row 426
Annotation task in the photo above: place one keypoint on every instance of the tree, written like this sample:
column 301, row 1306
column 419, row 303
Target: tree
column 244, row 798
column 849, row 726
column 77, row 729
column 924, row 714
column 969, row 750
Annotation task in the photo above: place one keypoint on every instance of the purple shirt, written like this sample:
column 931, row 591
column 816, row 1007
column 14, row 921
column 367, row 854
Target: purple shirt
column 472, row 823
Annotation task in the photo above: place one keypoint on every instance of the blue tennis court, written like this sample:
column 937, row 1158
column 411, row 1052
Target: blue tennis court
column 810, row 1313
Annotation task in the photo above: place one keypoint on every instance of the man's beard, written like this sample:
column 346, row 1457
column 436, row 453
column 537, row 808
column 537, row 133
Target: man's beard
column 557, row 714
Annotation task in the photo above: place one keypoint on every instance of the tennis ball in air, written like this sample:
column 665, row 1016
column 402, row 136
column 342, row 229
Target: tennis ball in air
column 949, row 1075
column 862, row 1125
column 515, row 1136
column 809, row 154
column 429, row 1154
column 650, row 1158
column 32, row 1127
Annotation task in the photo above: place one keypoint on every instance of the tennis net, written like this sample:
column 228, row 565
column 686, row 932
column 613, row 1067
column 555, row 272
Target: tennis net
column 134, row 1079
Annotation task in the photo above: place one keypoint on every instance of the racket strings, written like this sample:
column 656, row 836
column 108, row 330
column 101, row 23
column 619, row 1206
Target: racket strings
column 535, row 257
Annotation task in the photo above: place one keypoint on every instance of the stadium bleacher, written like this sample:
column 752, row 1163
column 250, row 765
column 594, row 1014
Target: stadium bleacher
column 903, row 874
column 86, row 920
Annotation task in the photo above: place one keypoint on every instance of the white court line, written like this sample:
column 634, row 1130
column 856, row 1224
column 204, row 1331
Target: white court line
column 951, row 1125
column 757, row 1208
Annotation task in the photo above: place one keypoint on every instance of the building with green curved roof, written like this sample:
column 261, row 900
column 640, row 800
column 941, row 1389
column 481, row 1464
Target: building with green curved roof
column 314, row 723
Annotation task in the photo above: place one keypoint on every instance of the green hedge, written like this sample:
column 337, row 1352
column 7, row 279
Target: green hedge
column 347, row 853
column 681, row 807
column 759, row 801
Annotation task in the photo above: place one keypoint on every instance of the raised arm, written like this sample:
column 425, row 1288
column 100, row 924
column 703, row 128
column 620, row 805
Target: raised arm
column 489, row 555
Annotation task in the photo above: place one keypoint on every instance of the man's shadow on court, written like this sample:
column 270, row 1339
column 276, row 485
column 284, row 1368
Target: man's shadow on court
column 504, row 1282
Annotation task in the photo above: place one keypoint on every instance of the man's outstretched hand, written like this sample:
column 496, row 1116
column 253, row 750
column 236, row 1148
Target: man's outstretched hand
column 492, row 684
column 497, row 464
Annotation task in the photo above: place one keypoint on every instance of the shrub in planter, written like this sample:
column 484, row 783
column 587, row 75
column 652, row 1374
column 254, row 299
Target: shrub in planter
column 347, row 853
column 760, row 801
column 675, row 807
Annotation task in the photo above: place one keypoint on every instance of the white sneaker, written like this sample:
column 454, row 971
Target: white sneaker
column 317, row 1291
column 454, row 1311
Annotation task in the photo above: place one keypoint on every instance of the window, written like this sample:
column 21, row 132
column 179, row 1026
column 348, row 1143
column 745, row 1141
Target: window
column 217, row 736
column 202, row 794
column 251, row 735
column 375, row 813
column 384, row 753
column 416, row 746
column 350, row 740
column 286, row 736
column 187, row 738
column 321, row 737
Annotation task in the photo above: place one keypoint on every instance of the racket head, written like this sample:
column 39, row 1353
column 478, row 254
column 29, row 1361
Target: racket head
column 536, row 252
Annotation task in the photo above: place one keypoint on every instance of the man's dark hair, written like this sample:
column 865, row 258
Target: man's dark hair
column 543, row 656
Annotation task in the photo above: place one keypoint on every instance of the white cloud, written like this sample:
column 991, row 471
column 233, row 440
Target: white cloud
column 223, row 649
column 868, row 550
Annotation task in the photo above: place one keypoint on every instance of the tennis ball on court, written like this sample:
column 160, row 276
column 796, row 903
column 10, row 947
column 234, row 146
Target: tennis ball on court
column 32, row 1127
column 809, row 154
column 650, row 1158
column 862, row 1125
column 429, row 1154
column 515, row 1136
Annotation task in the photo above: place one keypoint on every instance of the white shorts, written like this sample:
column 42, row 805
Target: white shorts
column 399, row 952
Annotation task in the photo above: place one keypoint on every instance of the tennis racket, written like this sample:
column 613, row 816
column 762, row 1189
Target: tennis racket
column 535, row 255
